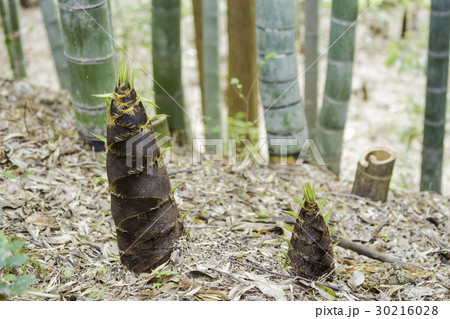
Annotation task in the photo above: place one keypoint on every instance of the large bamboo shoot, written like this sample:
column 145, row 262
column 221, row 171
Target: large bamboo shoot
column 142, row 206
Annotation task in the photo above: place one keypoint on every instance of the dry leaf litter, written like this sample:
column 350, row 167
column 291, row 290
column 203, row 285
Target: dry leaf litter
column 54, row 195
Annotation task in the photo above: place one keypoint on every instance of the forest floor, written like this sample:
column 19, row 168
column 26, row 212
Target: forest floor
column 54, row 195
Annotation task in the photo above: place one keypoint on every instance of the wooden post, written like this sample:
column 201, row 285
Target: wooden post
column 374, row 174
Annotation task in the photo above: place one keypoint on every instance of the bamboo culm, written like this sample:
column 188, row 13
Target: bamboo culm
column 436, row 96
column 338, row 83
column 311, row 55
column 278, row 78
column 197, row 6
column 55, row 38
column 211, row 67
column 89, row 53
column 11, row 26
column 166, row 52
column 244, row 67
column 6, row 25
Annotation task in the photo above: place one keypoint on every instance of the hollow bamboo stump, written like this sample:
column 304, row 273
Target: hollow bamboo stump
column 161, row 126
column 373, row 174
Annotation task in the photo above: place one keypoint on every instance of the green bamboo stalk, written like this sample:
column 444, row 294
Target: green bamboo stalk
column 166, row 51
column 90, row 56
column 280, row 93
column 213, row 118
column 338, row 82
column 242, row 63
column 6, row 25
column 436, row 96
column 16, row 40
column 197, row 6
column 55, row 38
column 311, row 55
column 11, row 26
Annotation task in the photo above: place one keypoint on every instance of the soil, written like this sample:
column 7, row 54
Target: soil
column 58, row 199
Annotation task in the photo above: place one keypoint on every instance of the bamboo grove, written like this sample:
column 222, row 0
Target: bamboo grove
column 262, row 58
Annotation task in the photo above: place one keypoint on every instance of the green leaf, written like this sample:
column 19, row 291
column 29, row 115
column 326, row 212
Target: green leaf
column 156, row 285
column 108, row 103
column 322, row 203
column 327, row 216
column 101, row 138
column 105, row 95
column 175, row 188
column 284, row 254
column 329, row 293
column 331, row 229
column 288, row 228
column 143, row 99
column 185, row 214
column 102, row 160
column 166, row 149
column 234, row 81
column 15, row 260
column 21, row 284
column 14, row 245
column 10, row 277
column 168, row 273
column 309, row 192
column 27, row 174
column 298, row 200
column 157, row 116
column 270, row 55
column 9, row 175
column 293, row 214
column 4, row 288
column 335, row 244
column 286, row 240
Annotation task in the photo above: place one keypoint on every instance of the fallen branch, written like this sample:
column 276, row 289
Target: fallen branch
column 368, row 252
column 43, row 295
column 229, row 274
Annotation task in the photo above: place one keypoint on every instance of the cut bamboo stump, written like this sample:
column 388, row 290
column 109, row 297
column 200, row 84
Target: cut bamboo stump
column 374, row 173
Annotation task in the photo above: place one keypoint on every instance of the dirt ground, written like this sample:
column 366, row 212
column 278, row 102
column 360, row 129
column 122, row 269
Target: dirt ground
column 58, row 200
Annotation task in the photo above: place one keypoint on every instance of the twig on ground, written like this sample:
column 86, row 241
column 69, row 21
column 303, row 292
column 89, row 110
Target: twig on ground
column 377, row 231
column 25, row 106
column 368, row 252
column 229, row 274
column 41, row 294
